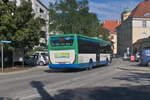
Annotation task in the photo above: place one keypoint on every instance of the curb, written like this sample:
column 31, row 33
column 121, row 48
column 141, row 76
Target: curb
column 28, row 70
column 134, row 69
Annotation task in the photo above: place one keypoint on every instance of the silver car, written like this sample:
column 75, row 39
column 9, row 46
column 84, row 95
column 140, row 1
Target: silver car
column 37, row 59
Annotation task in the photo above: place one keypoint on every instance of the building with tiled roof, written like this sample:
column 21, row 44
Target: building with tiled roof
column 135, row 26
column 111, row 26
column 142, row 10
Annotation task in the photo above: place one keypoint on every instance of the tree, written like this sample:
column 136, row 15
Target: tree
column 103, row 33
column 72, row 16
column 18, row 24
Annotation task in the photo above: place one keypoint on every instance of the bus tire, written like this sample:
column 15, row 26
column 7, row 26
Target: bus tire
column 108, row 62
column 90, row 64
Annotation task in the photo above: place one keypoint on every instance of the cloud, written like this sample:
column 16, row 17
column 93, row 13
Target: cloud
column 106, row 9
column 112, row 9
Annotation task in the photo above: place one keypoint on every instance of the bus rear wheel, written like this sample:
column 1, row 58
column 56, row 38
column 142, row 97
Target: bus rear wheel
column 90, row 64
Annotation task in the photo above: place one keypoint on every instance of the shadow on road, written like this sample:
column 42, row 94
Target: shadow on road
column 106, row 93
column 138, row 65
column 5, row 98
column 97, row 93
column 72, row 70
column 40, row 89
column 64, row 70
column 135, row 77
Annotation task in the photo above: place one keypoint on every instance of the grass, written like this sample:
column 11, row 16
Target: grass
column 14, row 69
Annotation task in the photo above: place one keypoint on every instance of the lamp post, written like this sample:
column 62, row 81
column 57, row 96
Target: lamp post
column 2, row 50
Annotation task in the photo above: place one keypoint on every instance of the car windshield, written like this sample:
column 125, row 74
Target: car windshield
column 62, row 41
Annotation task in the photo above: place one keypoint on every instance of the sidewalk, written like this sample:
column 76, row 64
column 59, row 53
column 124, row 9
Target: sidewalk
column 23, row 71
column 133, row 66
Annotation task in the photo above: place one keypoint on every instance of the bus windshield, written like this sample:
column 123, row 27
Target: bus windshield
column 62, row 41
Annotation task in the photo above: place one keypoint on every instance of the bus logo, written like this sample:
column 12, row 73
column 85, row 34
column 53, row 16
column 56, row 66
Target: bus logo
column 62, row 55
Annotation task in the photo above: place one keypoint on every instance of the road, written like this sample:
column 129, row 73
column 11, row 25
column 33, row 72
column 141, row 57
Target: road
column 121, row 80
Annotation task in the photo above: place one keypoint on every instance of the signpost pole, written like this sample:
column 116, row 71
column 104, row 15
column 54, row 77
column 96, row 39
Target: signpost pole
column 2, row 51
column 2, row 56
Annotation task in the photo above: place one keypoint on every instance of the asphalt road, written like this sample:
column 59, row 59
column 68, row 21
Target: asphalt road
column 121, row 80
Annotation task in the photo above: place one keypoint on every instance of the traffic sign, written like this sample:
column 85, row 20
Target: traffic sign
column 2, row 55
column 5, row 41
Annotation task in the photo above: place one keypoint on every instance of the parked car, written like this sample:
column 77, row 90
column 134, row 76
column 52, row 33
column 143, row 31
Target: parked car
column 44, row 53
column 39, row 58
column 145, row 57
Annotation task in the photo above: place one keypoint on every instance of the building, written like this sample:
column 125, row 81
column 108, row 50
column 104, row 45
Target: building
column 134, row 25
column 125, row 14
column 141, row 43
column 111, row 26
column 41, row 11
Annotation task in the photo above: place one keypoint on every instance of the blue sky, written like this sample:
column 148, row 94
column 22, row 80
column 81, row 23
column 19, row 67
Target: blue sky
column 107, row 9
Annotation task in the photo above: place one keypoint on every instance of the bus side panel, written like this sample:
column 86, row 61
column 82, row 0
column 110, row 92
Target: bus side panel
column 84, row 58
column 105, row 57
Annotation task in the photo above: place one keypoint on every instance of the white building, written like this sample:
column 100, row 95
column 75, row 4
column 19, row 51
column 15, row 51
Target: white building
column 135, row 27
column 42, row 11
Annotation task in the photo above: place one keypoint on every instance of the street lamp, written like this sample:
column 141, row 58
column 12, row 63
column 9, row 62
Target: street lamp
column 2, row 54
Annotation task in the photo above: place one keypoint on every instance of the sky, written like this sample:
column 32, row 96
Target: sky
column 107, row 9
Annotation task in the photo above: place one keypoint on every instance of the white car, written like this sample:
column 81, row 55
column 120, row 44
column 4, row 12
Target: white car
column 38, row 58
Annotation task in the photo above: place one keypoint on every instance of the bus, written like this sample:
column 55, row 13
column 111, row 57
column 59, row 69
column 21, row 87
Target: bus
column 78, row 51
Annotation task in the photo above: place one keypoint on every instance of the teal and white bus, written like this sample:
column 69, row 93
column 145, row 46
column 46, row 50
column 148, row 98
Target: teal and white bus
column 78, row 51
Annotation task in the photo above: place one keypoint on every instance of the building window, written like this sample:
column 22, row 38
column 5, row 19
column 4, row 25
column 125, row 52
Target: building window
column 41, row 11
column 144, row 24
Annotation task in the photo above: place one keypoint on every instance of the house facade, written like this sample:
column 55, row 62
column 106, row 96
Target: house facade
column 111, row 26
column 41, row 11
column 135, row 26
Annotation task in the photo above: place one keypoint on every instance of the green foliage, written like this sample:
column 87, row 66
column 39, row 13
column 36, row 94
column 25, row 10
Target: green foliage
column 72, row 16
column 19, row 25
column 103, row 33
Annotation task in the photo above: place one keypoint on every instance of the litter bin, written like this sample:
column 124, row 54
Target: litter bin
column 132, row 58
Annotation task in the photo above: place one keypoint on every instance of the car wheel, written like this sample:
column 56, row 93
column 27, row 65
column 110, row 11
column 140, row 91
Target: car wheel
column 41, row 63
column 149, row 64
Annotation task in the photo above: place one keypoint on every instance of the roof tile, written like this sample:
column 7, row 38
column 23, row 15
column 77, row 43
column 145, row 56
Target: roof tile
column 111, row 25
column 142, row 10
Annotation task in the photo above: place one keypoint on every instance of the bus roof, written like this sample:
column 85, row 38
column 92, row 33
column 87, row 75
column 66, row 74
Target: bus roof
column 91, row 38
